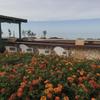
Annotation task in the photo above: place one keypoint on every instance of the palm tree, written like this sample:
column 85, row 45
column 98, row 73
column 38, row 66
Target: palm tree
column 9, row 31
column 24, row 33
column 33, row 34
column 29, row 33
column 44, row 34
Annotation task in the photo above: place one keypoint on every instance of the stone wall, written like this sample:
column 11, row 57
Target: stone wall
column 85, row 53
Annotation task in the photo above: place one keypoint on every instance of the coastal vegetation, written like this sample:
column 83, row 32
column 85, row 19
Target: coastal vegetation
column 39, row 77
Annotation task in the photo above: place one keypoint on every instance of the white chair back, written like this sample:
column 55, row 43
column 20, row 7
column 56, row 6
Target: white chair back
column 60, row 51
column 25, row 49
column 11, row 49
column 44, row 51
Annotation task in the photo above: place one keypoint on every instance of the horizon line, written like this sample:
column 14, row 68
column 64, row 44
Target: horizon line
column 63, row 20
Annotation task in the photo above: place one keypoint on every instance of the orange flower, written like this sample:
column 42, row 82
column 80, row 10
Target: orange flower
column 74, row 76
column 12, row 97
column 46, row 91
column 84, row 87
column 50, row 89
column 77, row 97
column 35, row 82
column 2, row 73
column 11, row 76
column 61, row 86
column 66, row 98
column 57, row 98
column 98, row 74
column 98, row 67
column 70, row 79
column 42, row 66
column 81, row 72
column 3, row 90
column 93, row 98
column 93, row 84
column 14, row 70
column 43, row 98
column 27, row 98
column 80, row 79
column 48, row 85
column 46, row 81
column 57, row 90
column 23, row 84
column 49, row 95
column 20, row 92
column 30, row 88
column 93, row 66
column 33, row 61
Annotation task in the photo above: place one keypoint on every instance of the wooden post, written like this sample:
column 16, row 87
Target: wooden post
column 0, row 31
column 19, row 30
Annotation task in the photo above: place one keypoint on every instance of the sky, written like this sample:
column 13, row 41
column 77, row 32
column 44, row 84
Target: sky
column 62, row 18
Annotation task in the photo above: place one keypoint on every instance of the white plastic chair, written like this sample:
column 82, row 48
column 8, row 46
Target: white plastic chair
column 26, row 49
column 11, row 49
column 44, row 51
column 60, row 51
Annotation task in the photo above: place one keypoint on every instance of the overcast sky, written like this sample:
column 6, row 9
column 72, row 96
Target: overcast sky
column 62, row 18
column 40, row 10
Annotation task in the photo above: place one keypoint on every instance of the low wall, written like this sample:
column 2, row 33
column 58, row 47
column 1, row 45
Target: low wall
column 85, row 53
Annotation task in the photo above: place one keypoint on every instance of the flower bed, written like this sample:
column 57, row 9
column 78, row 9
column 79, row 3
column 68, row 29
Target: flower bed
column 33, row 77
